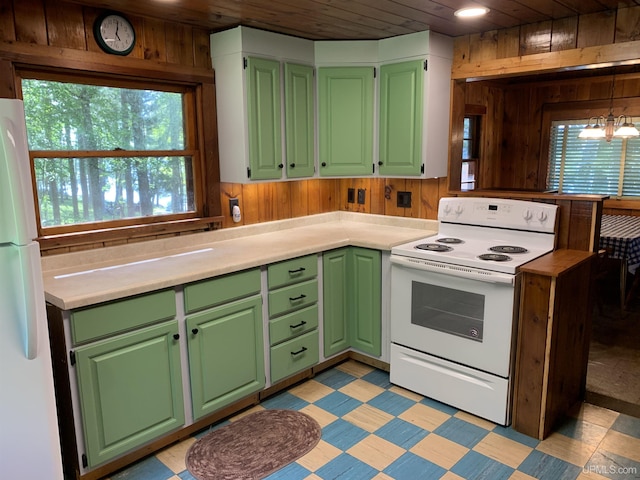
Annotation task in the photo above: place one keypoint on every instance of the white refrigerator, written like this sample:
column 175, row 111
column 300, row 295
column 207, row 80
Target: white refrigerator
column 29, row 440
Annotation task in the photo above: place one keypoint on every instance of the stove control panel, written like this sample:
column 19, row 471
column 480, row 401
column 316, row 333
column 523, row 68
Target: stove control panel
column 499, row 212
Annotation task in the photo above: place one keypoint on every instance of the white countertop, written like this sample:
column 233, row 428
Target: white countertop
column 85, row 278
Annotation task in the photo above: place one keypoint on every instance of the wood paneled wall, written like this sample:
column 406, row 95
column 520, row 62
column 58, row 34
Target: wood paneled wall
column 54, row 33
column 597, row 38
column 53, row 23
column 262, row 202
column 500, row 71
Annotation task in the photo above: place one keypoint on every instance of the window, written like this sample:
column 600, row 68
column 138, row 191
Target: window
column 109, row 153
column 592, row 166
column 470, row 153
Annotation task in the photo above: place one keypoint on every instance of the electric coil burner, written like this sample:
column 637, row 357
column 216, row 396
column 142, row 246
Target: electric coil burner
column 434, row 247
column 451, row 240
column 508, row 249
column 496, row 257
column 454, row 301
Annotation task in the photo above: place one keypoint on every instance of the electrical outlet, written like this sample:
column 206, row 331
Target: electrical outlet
column 351, row 195
column 232, row 202
column 361, row 195
column 404, row 199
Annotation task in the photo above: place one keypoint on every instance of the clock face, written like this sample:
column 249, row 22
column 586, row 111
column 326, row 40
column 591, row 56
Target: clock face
column 115, row 34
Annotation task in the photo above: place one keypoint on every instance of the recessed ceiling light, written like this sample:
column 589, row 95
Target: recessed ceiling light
column 471, row 12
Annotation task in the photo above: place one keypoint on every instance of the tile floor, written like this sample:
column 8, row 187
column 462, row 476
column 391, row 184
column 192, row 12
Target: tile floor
column 374, row 430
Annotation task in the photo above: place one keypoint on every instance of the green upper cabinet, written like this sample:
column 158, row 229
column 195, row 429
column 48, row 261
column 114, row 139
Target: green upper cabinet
column 400, row 134
column 265, row 117
column 346, row 104
column 264, row 105
column 414, row 104
column 299, row 120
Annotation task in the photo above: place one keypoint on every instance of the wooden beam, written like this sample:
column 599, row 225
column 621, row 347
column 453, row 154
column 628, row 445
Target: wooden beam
column 576, row 59
column 45, row 56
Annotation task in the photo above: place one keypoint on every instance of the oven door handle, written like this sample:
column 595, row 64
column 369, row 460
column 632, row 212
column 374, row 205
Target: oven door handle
column 454, row 270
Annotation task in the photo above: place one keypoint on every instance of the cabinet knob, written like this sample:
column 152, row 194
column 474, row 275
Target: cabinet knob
column 280, row 166
column 292, row 165
column 380, row 162
column 324, row 164
column 176, row 336
column 194, row 331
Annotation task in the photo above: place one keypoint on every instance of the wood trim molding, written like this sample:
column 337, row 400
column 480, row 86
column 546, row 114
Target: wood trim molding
column 576, row 59
column 72, row 59
column 112, row 235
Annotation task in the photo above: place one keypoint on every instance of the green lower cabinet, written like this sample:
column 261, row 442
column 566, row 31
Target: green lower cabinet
column 335, row 296
column 294, row 355
column 352, row 279
column 226, row 354
column 365, row 282
column 130, row 390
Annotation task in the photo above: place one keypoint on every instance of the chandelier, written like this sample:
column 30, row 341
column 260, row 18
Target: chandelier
column 610, row 127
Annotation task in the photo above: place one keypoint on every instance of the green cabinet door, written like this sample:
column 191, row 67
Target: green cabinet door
column 264, row 118
column 299, row 120
column 346, row 120
column 335, row 301
column 226, row 354
column 365, row 282
column 401, row 107
column 130, row 390
column 352, row 284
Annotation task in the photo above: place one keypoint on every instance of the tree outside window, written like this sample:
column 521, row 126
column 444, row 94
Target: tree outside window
column 108, row 155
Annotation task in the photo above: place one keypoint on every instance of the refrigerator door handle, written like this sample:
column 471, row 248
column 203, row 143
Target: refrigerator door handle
column 33, row 296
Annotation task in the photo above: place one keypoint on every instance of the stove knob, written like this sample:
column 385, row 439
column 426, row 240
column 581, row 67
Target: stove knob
column 527, row 215
column 459, row 209
column 446, row 209
column 542, row 217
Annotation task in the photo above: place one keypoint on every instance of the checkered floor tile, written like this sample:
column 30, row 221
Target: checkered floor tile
column 372, row 429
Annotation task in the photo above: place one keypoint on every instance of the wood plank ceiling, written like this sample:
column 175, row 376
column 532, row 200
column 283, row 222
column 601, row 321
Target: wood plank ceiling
column 357, row 19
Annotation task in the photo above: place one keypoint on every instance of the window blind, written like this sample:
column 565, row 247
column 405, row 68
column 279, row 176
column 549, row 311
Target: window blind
column 579, row 165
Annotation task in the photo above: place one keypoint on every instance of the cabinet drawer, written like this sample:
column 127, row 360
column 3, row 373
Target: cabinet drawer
column 290, row 271
column 122, row 315
column 293, row 324
column 293, row 297
column 215, row 291
column 295, row 355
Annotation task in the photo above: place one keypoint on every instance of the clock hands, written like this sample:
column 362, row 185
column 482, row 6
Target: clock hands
column 117, row 26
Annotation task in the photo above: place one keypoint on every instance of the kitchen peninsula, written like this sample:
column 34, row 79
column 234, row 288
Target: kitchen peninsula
column 179, row 333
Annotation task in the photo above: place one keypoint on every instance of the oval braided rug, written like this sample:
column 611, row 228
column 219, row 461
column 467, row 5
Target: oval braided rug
column 254, row 446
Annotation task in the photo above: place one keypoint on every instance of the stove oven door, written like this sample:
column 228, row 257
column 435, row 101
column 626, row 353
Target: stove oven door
column 455, row 313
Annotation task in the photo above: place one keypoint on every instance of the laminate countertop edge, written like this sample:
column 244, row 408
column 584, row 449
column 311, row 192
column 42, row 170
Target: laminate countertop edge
column 81, row 279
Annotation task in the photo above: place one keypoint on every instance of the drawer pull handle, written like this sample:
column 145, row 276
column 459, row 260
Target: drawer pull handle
column 297, row 270
column 176, row 336
column 301, row 324
column 194, row 331
column 302, row 350
column 294, row 299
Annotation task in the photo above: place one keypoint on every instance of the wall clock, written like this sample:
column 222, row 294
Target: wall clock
column 114, row 33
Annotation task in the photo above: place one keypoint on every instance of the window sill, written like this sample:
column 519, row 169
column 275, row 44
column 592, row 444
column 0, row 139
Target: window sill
column 70, row 242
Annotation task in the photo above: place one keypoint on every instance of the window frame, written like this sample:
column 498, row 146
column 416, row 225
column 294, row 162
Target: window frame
column 192, row 137
column 578, row 111
column 474, row 149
